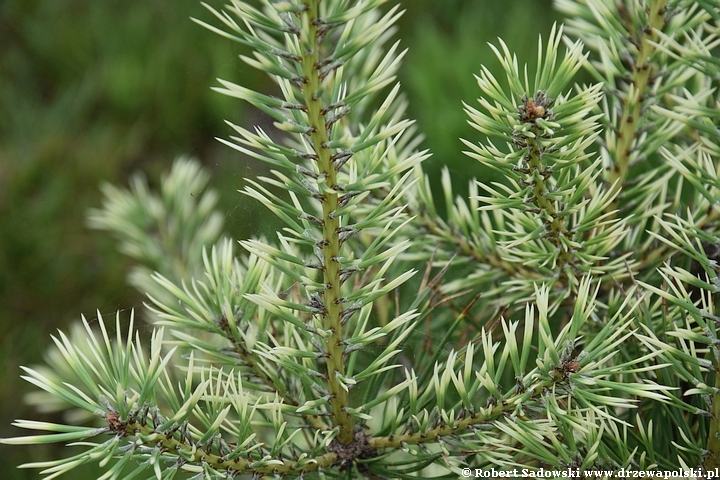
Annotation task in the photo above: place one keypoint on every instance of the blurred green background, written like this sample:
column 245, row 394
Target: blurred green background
column 94, row 90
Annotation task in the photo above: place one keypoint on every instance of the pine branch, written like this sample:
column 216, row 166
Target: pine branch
column 330, row 223
column 642, row 72
column 566, row 318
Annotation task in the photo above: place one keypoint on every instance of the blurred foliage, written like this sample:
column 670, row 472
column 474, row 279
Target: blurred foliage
column 91, row 91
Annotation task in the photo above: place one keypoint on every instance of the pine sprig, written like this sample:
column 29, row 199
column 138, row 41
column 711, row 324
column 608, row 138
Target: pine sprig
column 553, row 208
column 566, row 315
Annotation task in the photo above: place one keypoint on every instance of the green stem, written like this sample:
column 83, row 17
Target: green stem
column 633, row 103
column 712, row 460
column 554, row 225
column 460, row 425
column 196, row 455
column 331, row 240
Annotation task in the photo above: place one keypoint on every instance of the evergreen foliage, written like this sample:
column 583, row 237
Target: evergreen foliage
column 563, row 317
